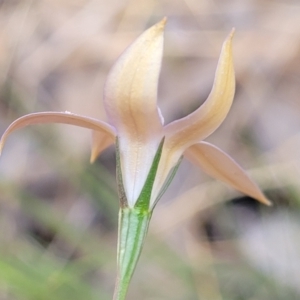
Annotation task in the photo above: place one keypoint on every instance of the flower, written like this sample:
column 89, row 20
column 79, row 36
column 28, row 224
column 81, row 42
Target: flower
column 145, row 144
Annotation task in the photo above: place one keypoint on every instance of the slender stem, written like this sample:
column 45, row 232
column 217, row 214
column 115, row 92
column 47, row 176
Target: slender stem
column 133, row 227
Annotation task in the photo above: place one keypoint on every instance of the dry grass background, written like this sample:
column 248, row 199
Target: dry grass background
column 58, row 214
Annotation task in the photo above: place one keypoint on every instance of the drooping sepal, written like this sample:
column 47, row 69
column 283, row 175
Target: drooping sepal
column 220, row 165
column 104, row 128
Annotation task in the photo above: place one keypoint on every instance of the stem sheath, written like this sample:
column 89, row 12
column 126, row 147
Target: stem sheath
column 133, row 227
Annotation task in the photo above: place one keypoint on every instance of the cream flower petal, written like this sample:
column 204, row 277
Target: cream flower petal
column 187, row 131
column 58, row 117
column 130, row 97
column 101, row 140
column 130, row 92
column 208, row 117
column 219, row 165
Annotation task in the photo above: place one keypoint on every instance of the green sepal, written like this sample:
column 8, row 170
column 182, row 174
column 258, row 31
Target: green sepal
column 168, row 181
column 143, row 201
column 133, row 227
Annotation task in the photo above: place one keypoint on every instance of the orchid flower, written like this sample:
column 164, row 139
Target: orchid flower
column 149, row 152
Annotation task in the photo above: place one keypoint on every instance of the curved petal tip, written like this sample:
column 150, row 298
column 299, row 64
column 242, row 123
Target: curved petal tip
column 162, row 23
column 208, row 117
column 231, row 34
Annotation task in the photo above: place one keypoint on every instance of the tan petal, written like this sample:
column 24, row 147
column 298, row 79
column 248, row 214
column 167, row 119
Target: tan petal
column 57, row 117
column 101, row 140
column 219, row 165
column 130, row 93
column 206, row 119
column 130, row 97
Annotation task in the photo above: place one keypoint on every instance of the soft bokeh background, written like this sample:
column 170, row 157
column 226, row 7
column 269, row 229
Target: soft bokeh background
column 58, row 213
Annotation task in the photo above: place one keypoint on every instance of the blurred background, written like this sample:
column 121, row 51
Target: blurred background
column 58, row 213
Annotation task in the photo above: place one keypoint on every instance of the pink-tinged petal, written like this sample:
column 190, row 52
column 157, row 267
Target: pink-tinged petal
column 208, row 117
column 219, row 165
column 101, row 140
column 58, row 117
column 130, row 97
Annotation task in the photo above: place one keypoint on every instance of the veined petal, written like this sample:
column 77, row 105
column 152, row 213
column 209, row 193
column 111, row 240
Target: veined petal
column 58, row 117
column 208, row 117
column 130, row 92
column 187, row 131
column 101, row 140
column 130, row 97
column 219, row 165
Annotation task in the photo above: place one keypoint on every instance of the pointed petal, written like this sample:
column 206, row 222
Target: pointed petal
column 57, row 117
column 100, row 141
column 185, row 132
column 130, row 92
column 206, row 119
column 219, row 165
column 130, row 97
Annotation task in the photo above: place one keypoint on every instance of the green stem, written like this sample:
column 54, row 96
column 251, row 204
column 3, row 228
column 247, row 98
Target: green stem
column 133, row 227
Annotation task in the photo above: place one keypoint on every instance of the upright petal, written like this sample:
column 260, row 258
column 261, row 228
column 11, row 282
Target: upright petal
column 130, row 93
column 198, row 125
column 209, row 116
column 219, row 165
column 58, row 117
column 130, row 98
